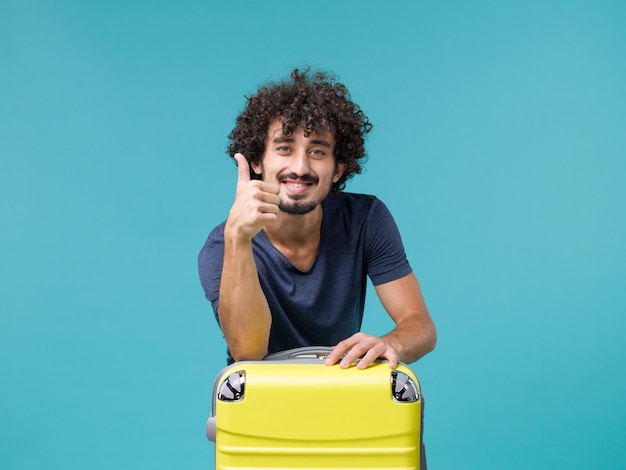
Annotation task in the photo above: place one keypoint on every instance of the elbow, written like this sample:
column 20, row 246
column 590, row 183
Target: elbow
column 247, row 354
column 248, row 349
column 247, row 340
column 432, row 338
column 428, row 340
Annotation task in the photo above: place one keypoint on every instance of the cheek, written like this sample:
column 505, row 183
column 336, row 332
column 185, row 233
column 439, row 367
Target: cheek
column 339, row 172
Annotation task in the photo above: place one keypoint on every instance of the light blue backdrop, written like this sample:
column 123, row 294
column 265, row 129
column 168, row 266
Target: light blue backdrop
column 499, row 145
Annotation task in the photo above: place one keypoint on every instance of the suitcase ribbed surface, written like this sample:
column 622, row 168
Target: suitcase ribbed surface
column 298, row 415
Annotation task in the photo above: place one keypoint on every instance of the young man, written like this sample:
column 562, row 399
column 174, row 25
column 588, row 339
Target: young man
column 289, row 266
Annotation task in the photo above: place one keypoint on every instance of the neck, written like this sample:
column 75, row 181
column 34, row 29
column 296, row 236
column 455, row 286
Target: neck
column 292, row 229
column 297, row 237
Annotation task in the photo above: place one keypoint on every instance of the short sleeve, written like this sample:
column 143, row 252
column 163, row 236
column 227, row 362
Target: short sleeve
column 210, row 261
column 385, row 256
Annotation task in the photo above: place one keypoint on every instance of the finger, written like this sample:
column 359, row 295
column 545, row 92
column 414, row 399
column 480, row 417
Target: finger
column 392, row 359
column 265, row 201
column 377, row 353
column 369, row 357
column 365, row 361
column 357, row 351
column 243, row 169
column 345, row 347
column 333, row 356
column 373, row 354
column 268, row 209
column 267, row 187
column 339, row 350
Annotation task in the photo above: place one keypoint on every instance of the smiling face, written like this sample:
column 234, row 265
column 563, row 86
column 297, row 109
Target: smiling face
column 305, row 167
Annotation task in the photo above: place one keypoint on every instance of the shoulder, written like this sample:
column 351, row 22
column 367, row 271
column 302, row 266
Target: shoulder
column 216, row 235
column 354, row 205
column 340, row 200
column 213, row 241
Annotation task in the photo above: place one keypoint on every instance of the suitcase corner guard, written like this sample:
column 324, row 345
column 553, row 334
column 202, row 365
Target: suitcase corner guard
column 211, row 428
column 231, row 389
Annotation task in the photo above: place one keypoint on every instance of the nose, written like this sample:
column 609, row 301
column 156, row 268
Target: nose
column 300, row 163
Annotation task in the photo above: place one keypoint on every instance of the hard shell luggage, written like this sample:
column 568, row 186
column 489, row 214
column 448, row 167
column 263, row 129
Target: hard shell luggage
column 291, row 411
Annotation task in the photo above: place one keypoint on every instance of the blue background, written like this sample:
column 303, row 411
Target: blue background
column 499, row 145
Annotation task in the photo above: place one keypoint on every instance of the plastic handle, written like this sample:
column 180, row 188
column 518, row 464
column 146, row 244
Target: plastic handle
column 211, row 428
column 307, row 352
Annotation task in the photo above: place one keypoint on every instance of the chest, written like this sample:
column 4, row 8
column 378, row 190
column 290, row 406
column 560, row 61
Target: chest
column 300, row 256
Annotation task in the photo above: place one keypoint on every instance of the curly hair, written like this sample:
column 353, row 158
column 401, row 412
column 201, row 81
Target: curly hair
column 315, row 101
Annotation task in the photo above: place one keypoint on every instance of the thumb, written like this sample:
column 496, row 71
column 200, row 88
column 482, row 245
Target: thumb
column 243, row 169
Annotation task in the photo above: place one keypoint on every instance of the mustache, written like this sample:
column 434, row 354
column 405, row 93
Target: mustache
column 308, row 178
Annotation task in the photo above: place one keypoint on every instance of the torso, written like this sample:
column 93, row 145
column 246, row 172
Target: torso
column 302, row 246
column 301, row 256
column 317, row 292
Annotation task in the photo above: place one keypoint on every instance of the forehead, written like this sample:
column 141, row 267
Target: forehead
column 275, row 131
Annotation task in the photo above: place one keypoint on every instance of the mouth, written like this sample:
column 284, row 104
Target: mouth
column 297, row 184
column 296, row 189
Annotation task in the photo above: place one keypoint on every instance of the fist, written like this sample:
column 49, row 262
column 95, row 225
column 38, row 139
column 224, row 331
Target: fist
column 256, row 203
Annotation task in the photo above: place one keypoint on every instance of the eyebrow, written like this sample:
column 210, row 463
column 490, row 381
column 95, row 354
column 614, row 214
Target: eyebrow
column 283, row 139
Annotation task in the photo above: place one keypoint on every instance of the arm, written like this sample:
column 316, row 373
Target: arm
column 243, row 311
column 413, row 336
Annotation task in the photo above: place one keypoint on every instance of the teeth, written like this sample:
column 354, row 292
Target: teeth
column 296, row 185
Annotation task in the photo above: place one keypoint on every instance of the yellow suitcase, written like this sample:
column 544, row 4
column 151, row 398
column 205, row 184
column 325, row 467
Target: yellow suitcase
column 290, row 411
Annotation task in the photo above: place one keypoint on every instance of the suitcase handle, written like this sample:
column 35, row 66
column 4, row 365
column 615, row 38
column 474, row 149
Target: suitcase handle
column 305, row 353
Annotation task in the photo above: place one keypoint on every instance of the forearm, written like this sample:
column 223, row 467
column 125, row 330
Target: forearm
column 414, row 334
column 412, row 338
column 244, row 314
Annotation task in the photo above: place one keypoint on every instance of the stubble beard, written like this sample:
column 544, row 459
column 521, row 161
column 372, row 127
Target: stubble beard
column 294, row 205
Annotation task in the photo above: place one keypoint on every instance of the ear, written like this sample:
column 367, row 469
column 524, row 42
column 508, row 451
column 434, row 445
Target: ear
column 257, row 167
column 339, row 169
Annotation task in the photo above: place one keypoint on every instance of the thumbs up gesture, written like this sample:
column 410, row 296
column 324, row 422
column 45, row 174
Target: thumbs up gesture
column 255, row 206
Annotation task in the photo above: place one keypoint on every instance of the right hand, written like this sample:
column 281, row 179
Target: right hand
column 256, row 203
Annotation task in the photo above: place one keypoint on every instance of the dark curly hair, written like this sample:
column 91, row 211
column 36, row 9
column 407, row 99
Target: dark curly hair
column 315, row 101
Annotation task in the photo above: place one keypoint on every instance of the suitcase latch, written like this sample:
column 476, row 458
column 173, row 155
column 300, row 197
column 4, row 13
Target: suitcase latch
column 232, row 387
column 403, row 388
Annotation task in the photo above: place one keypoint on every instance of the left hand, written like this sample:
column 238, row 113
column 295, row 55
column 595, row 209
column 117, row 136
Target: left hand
column 364, row 346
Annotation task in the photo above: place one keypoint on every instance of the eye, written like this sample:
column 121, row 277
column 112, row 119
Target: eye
column 318, row 153
column 283, row 149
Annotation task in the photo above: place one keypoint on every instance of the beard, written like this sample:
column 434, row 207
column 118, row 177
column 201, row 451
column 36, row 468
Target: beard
column 294, row 205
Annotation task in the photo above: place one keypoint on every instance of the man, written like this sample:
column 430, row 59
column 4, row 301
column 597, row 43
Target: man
column 289, row 266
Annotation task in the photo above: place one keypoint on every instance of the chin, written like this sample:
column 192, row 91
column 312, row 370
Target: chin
column 298, row 208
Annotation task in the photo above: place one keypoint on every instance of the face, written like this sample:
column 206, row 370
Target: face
column 304, row 166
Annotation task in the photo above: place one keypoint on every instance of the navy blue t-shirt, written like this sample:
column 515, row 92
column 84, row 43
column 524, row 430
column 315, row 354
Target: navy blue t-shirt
column 324, row 304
